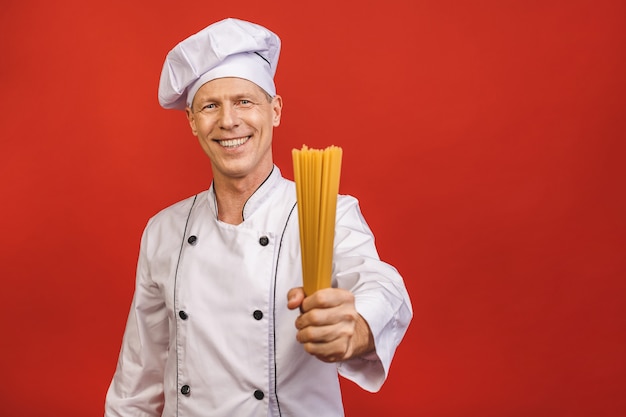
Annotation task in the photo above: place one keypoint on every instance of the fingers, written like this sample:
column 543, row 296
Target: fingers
column 334, row 351
column 320, row 335
column 323, row 317
column 327, row 325
column 327, row 298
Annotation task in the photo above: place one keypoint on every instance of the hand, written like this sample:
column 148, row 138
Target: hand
column 330, row 327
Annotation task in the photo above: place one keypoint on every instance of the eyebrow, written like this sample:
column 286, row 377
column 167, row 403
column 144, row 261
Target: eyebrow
column 241, row 96
column 235, row 97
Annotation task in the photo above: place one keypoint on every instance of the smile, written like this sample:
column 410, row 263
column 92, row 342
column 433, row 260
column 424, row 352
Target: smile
column 232, row 143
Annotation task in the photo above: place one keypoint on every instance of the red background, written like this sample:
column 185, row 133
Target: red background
column 484, row 139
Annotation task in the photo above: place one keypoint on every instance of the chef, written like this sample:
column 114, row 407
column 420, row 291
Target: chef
column 219, row 324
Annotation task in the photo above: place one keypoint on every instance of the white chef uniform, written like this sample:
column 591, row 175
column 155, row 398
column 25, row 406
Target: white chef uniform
column 209, row 332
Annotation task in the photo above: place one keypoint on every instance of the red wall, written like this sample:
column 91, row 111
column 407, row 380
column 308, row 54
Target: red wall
column 485, row 140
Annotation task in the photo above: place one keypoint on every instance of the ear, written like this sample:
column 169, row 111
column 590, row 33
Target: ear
column 192, row 121
column 277, row 108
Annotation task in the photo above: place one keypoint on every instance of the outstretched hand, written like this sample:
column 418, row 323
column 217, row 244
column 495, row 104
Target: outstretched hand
column 329, row 326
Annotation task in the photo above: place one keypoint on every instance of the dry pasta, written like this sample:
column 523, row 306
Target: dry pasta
column 316, row 173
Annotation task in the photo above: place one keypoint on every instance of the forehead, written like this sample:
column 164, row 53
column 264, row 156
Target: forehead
column 228, row 88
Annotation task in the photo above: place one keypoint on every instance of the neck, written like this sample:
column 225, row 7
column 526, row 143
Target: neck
column 233, row 193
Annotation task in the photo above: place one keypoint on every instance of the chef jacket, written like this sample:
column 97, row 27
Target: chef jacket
column 209, row 332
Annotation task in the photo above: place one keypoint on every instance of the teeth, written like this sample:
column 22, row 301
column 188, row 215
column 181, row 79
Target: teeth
column 231, row 143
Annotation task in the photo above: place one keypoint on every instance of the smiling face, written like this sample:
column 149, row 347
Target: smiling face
column 234, row 119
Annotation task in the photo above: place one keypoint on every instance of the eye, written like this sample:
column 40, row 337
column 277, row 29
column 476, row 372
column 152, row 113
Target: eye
column 244, row 102
column 208, row 107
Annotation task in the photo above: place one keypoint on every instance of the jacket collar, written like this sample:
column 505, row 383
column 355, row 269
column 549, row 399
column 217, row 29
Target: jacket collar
column 257, row 199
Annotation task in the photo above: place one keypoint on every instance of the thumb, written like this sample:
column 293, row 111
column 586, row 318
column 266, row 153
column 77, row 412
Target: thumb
column 295, row 296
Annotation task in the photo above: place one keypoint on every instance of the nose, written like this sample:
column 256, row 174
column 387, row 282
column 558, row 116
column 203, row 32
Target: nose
column 229, row 118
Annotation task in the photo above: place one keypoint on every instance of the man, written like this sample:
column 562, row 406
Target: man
column 219, row 324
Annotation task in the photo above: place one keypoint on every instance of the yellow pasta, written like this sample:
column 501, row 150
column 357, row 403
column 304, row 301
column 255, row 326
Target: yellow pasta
column 316, row 173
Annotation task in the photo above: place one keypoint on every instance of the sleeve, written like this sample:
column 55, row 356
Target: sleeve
column 381, row 297
column 137, row 386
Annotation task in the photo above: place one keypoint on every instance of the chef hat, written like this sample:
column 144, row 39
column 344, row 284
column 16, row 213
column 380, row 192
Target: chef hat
column 228, row 48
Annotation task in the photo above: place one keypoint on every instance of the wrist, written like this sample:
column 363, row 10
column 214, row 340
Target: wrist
column 363, row 339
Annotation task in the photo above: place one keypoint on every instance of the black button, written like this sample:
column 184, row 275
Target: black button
column 185, row 390
column 258, row 394
column 183, row 315
column 258, row 314
column 264, row 241
column 192, row 240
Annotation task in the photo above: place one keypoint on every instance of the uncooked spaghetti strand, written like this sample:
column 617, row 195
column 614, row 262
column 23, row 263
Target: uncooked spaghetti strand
column 297, row 173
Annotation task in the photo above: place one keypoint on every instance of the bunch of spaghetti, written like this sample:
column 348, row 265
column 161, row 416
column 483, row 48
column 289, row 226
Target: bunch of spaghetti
column 316, row 173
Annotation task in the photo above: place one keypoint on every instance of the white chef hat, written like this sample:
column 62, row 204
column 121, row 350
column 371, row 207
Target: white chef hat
column 228, row 48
